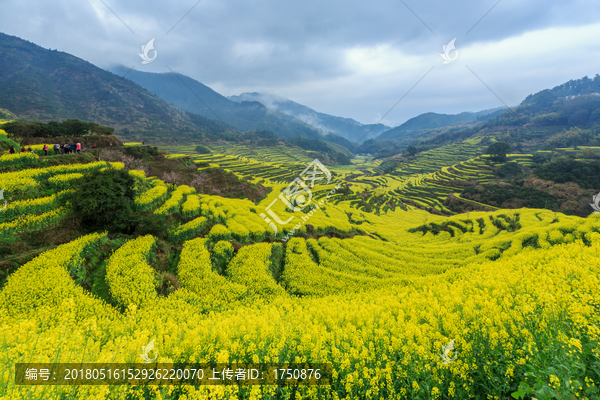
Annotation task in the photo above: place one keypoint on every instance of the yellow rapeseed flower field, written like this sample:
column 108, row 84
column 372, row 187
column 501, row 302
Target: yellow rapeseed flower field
column 402, row 304
column 129, row 276
column 503, row 316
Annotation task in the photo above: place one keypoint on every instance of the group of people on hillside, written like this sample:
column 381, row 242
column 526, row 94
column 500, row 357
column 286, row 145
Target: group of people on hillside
column 11, row 150
column 67, row 148
column 58, row 148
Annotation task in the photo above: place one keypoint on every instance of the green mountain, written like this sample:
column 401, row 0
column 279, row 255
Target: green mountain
column 431, row 120
column 564, row 116
column 567, row 115
column 195, row 97
column 573, row 104
column 44, row 85
column 568, row 90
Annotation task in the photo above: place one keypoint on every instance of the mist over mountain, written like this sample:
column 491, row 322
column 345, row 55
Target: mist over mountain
column 345, row 127
column 195, row 97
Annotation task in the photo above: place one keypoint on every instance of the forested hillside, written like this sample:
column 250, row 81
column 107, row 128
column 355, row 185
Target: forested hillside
column 45, row 85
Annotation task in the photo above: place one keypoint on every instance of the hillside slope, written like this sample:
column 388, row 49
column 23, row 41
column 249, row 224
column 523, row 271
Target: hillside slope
column 44, row 85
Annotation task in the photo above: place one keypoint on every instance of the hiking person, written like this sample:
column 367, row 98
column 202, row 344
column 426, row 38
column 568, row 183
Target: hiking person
column 11, row 149
column 45, row 149
column 56, row 148
column 23, row 149
column 62, row 149
column 30, row 149
column 79, row 147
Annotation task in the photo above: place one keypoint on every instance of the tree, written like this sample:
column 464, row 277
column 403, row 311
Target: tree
column 171, row 177
column 104, row 201
column 74, row 127
column 412, row 150
column 509, row 170
column 68, row 128
column 202, row 149
column 100, row 129
column 498, row 151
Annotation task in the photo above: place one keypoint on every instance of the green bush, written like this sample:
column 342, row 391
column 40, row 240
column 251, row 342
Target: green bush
column 104, row 201
column 540, row 158
column 498, row 151
column 152, row 224
column 509, row 170
column 202, row 149
column 142, row 152
column 563, row 170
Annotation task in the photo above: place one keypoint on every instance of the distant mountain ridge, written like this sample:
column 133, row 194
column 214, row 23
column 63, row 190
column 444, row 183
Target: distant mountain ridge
column 44, row 85
column 433, row 120
column 569, row 90
column 567, row 115
column 195, row 97
column 345, row 127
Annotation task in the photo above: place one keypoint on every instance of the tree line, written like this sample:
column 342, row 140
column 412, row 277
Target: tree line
column 68, row 128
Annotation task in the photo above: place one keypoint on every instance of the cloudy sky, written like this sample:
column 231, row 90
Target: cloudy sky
column 349, row 58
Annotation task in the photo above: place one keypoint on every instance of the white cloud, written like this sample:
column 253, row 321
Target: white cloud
column 342, row 57
column 513, row 68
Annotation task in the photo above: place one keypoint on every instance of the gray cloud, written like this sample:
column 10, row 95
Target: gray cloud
column 347, row 58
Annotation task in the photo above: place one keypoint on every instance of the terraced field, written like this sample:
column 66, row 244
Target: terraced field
column 378, row 296
column 275, row 154
column 428, row 189
column 276, row 164
column 424, row 183
column 431, row 160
